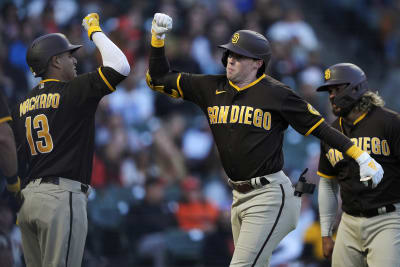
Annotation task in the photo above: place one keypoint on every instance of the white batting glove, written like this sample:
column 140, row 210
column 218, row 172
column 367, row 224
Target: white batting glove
column 370, row 170
column 161, row 24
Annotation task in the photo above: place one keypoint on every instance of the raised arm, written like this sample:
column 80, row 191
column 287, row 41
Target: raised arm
column 111, row 55
column 160, row 77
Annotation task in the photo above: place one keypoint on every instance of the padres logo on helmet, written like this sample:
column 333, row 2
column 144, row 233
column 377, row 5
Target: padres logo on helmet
column 327, row 74
column 235, row 38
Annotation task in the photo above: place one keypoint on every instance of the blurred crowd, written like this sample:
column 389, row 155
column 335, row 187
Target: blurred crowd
column 160, row 196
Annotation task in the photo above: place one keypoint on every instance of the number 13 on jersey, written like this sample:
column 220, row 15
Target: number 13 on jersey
column 41, row 127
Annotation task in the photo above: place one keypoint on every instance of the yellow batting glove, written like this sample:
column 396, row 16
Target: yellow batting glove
column 91, row 24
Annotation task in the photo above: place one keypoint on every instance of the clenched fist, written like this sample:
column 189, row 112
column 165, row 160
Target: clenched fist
column 162, row 23
column 91, row 24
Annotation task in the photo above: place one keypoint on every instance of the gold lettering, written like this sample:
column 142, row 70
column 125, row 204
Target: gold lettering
column 241, row 114
column 385, row 148
column 257, row 117
column 37, row 101
column 267, row 121
column 360, row 142
column 49, row 100
column 338, row 156
column 248, row 114
column 43, row 98
column 56, row 100
column 376, row 145
column 354, row 140
column 223, row 114
column 21, row 109
column 367, row 144
column 31, row 103
column 234, row 114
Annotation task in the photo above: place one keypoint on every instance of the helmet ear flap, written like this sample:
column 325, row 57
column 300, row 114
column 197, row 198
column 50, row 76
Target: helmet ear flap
column 224, row 58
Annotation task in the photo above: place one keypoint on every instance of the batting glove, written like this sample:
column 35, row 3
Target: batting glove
column 91, row 24
column 370, row 170
column 161, row 24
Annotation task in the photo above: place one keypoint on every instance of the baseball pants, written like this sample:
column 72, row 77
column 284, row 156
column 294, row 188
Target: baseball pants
column 53, row 223
column 372, row 242
column 261, row 218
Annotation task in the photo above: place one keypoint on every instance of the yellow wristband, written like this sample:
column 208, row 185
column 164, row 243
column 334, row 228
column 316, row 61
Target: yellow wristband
column 92, row 30
column 354, row 152
column 155, row 42
column 15, row 187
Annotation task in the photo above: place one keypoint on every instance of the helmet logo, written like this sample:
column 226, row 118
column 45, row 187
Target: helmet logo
column 235, row 38
column 327, row 74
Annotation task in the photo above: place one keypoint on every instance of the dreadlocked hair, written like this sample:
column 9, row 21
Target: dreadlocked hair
column 368, row 101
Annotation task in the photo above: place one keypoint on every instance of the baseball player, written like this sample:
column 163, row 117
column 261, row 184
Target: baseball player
column 248, row 113
column 55, row 129
column 369, row 231
column 8, row 154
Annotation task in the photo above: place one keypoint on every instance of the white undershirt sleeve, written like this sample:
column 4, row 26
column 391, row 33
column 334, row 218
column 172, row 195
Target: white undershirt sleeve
column 328, row 204
column 112, row 56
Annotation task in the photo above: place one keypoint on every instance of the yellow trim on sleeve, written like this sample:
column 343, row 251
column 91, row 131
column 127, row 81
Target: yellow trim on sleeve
column 247, row 86
column 105, row 80
column 324, row 175
column 315, row 126
column 8, row 118
column 178, row 85
column 360, row 118
column 155, row 42
column 354, row 152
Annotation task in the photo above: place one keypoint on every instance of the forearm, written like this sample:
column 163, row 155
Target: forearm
column 111, row 55
column 328, row 204
column 337, row 140
column 160, row 77
column 8, row 154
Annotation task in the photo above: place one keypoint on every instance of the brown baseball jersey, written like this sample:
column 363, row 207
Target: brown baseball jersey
column 55, row 124
column 247, row 123
column 378, row 133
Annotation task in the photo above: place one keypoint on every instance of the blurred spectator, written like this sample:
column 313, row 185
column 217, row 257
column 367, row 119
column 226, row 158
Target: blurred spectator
column 147, row 223
column 218, row 245
column 194, row 212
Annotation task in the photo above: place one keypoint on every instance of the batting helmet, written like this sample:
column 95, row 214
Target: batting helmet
column 249, row 44
column 43, row 48
column 353, row 76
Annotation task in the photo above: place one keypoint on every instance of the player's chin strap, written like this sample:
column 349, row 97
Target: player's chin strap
column 302, row 187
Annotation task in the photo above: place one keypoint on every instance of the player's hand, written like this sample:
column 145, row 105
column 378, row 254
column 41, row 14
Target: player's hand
column 91, row 24
column 327, row 246
column 161, row 24
column 370, row 170
column 12, row 194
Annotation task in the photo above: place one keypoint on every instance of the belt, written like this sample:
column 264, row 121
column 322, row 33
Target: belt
column 56, row 180
column 373, row 212
column 248, row 185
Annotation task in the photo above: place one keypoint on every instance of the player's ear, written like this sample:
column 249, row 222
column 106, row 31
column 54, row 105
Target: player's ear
column 55, row 62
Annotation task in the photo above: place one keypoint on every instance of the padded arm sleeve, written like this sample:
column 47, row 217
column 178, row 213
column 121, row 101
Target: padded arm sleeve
column 328, row 204
column 112, row 56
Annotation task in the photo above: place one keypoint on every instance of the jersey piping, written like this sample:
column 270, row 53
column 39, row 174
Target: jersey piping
column 105, row 80
column 247, row 86
column 325, row 176
column 315, row 126
column 8, row 118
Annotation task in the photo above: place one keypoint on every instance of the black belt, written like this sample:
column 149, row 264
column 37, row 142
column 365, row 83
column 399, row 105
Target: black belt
column 246, row 186
column 56, row 180
column 373, row 212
